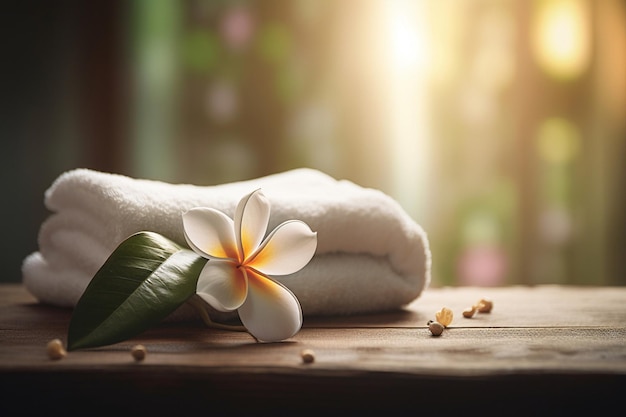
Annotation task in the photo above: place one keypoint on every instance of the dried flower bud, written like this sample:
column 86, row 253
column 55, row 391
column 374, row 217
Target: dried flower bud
column 485, row 305
column 468, row 313
column 55, row 349
column 444, row 316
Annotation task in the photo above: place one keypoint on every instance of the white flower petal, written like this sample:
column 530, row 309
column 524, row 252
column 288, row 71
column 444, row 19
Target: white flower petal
column 251, row 218
column 271, row 312
column 222, row 285
column 286, row 250
column 210, row 233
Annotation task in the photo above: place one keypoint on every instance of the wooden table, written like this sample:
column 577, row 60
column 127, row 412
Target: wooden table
column 548, row 350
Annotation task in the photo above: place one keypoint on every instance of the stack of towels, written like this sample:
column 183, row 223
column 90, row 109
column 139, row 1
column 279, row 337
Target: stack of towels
column 371, row 256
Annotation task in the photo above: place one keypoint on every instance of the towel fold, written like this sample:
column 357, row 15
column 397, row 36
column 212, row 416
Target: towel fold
column 371, row 256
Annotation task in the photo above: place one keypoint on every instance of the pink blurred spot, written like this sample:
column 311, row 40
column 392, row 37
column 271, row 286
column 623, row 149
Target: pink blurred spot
column 237, row 27
column 483, row 265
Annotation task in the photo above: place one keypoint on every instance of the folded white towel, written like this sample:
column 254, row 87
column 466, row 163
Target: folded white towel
column 371, row 256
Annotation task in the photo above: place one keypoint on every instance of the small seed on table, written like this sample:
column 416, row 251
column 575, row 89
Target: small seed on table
column 308, row 356
column 55, row 349
column 436, row 328
column 138, row 352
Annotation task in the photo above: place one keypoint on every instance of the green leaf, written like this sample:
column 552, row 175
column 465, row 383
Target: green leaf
column 144, row 280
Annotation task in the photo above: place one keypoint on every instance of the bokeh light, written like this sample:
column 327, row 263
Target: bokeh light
column 558, row 141
column 561, row 36
column 497, row 125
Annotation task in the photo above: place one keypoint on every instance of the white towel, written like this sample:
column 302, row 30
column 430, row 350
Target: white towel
column 371, row 256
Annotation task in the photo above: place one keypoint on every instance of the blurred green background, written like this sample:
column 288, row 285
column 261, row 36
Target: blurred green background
column 500, row 126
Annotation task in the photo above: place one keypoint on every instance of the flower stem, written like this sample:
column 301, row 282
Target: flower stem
column 200, row 305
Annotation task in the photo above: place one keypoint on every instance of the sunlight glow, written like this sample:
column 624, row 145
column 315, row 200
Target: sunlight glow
column 408, row 45
column 407, row 71
column 561, row 37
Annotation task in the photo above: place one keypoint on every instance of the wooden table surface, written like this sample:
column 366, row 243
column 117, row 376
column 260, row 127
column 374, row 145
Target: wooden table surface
column 547, row 350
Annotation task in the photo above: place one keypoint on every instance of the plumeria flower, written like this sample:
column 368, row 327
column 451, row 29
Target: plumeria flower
column 242, row 261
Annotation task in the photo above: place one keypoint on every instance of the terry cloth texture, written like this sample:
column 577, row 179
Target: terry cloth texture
column 371, row 256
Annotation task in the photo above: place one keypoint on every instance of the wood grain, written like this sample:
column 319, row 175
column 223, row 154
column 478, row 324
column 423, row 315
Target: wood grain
column 541, row 349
